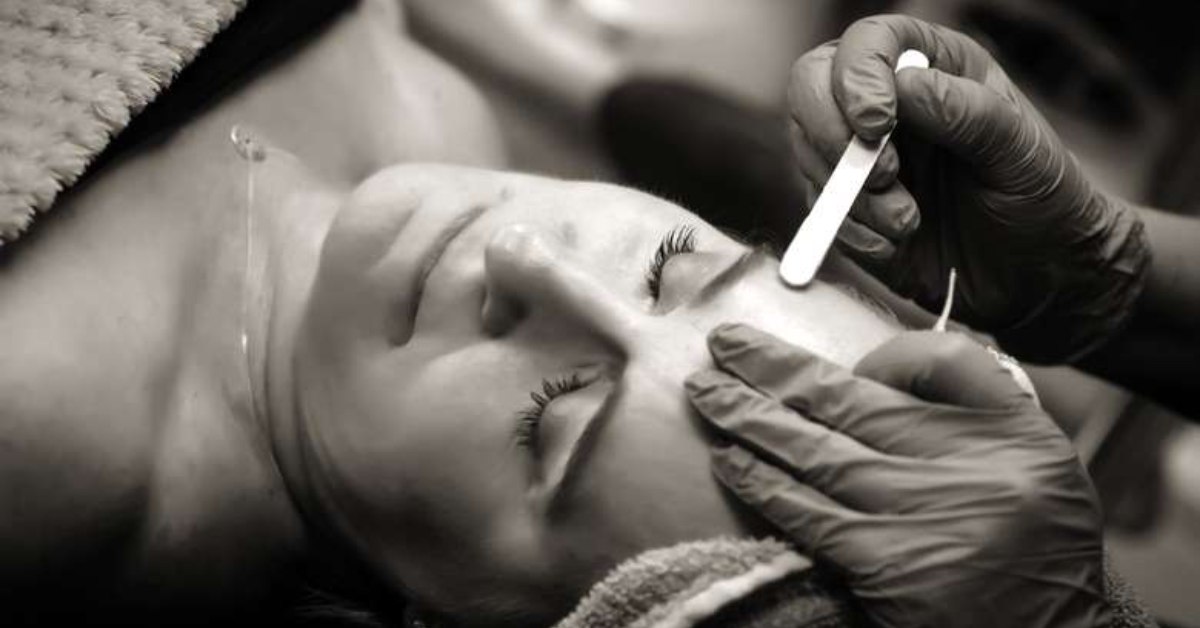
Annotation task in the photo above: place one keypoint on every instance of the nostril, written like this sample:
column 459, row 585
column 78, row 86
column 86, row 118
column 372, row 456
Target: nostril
column 501, row 313
column 531, row 270
column 516, row 261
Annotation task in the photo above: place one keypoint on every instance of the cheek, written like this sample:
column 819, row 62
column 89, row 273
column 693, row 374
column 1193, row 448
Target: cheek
column 435, row 435
column 456, row 419
column 647, row 485
column 433, row 477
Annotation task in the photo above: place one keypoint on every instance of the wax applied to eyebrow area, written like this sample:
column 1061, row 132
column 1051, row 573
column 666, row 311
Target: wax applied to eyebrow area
column 808, row 248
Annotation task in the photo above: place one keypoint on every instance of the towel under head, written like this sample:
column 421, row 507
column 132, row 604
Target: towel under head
column 750, row 583
column 687, row 584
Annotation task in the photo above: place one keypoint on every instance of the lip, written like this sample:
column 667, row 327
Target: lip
column 433, row 256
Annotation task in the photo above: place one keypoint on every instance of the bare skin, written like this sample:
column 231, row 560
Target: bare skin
column 130, row 459
column 153, row 466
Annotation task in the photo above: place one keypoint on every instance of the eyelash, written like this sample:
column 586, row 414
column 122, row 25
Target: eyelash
column 677, row 241
column 530, row 419
column 680, row 240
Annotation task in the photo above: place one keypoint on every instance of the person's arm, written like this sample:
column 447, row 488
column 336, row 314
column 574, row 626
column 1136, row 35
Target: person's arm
column 1157, row 354
column 1048, row 264
column 1172, row 290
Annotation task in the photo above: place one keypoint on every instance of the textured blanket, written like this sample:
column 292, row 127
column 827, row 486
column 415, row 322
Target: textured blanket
column 747, row 583
column 73, row 73
column 724, row 581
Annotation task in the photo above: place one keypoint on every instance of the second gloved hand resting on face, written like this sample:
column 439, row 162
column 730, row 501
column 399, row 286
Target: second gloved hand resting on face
column 957, row 502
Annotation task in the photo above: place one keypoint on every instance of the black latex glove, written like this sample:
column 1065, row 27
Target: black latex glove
column 1047, row 264
column 928, row 477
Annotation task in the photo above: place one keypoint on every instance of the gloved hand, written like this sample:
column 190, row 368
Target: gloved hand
column 1046, row 263
column 956, row 503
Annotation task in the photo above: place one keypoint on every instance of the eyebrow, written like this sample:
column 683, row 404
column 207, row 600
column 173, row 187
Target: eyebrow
column 583, row 446
column 748, row 261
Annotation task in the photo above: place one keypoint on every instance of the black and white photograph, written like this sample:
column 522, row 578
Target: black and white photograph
column 599, row 314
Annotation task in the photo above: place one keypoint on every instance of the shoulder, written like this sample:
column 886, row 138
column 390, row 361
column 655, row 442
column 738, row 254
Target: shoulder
column 74, row 476
column 77, row 425
column 145, row 496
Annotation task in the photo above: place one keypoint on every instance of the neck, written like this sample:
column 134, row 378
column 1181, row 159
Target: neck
column 284, row 217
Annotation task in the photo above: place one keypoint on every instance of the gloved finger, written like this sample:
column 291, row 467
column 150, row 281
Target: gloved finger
column 863, row 72
column 944, row 368
column 863, row 243
column 812, row 107
column 812, row 165
column 887, row 167
column 891, row 213
column 819, row 135
column 816, row 169
column 972, row 121
column 829, row 461
column 808, row 518
column 879, row 417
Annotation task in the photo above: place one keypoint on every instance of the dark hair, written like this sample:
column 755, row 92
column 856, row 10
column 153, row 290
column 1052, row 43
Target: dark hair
column 338, row 589
column 319, row 608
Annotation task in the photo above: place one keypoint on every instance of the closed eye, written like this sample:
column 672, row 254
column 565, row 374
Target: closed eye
column 677, row 241
column 530, row 419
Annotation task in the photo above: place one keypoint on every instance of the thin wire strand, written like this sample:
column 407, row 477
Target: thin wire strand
column 251, row 153
column 248, row 230
column 940, row 325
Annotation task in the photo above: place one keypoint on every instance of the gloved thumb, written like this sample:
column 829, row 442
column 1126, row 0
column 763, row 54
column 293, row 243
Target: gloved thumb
column 944, row 368
column 970, row 120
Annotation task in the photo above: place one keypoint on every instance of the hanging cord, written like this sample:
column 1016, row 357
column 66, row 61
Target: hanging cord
column 251, row 152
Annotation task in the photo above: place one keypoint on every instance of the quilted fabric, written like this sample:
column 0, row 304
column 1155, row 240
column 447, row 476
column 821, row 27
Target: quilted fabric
column 72, row 74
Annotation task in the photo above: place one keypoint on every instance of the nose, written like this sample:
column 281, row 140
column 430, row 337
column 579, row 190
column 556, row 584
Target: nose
column 530, row 270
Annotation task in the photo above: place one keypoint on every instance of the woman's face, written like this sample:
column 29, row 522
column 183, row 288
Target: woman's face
column 490, row 378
